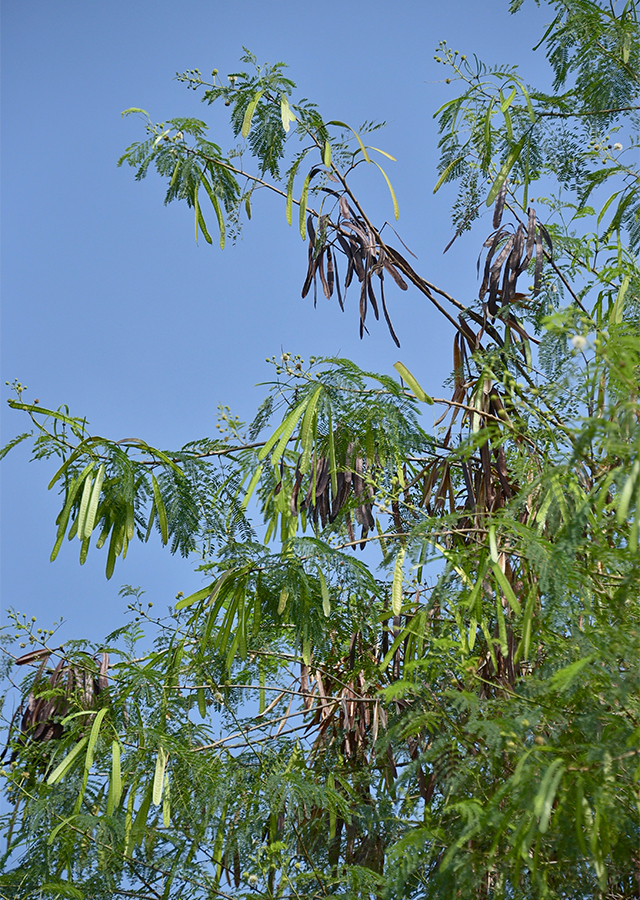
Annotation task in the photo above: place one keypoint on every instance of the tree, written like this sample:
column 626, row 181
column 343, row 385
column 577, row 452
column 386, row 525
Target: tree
column 464, row 720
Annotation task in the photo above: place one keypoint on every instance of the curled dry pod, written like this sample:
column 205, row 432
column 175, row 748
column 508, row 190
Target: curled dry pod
column 32, row 656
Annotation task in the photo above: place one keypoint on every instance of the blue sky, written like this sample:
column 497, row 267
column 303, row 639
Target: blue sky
column 109, row 306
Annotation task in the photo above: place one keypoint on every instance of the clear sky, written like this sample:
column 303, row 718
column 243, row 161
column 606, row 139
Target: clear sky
column 109, row 306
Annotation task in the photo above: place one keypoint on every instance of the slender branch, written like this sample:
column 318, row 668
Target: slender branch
column 269, row 737
column 310, row 862
column 225, row 165
column 402, row 534
column 261, row 687
column 473, row 409
column 563, row 279
column 590, row 112
column 301, row 712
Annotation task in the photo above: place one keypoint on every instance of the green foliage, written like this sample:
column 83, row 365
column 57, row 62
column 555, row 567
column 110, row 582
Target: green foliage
column 462, row 720
column 261, row 114
column 499, row 127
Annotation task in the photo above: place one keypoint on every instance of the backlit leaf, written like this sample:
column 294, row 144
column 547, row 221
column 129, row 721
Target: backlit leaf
column 507, row 165
column 356, row 135
column 285, row 113
column 445, row 173
column 61, row 769
column 396, row 589
column 84, row 506
column 160, row 509
column 158, row 777
column 115, row 785
column 326, row 602
column 248, row 115
column 303, row 207
column 396, row 210
column 406, row 375
column 94, row 500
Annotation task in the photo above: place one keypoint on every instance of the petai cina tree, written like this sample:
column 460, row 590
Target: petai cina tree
column 454, row 712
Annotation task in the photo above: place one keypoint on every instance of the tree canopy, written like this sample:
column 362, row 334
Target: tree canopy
column 413, row 670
